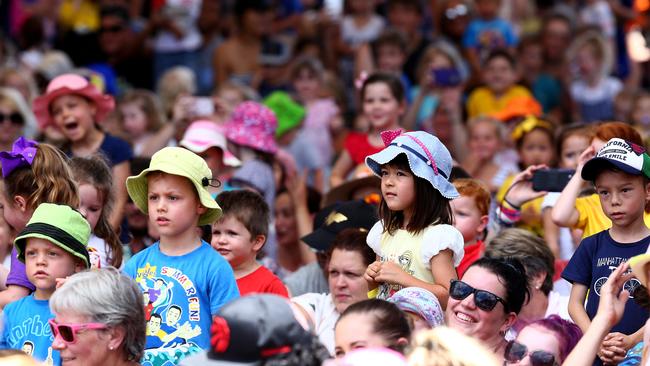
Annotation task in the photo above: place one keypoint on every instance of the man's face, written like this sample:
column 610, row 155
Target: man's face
column 111, row 34
column 172, row 316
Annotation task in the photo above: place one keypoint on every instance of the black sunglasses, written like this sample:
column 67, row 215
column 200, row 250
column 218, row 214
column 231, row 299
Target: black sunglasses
column 484, row 300
column 15, row 118
column 112, row 29
column 516, row 352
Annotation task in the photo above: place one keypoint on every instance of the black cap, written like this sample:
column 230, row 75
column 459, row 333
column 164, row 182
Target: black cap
column 337, row 217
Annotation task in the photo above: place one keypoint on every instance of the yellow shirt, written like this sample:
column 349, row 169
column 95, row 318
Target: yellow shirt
column 82, row 16
column 531, row 211
column 592, row 219
column 483, row 102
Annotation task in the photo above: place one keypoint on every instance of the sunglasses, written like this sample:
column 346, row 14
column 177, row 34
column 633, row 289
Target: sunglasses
column 112, row 29
column 484, row 300
column 68, row 332
column 516, row 352
column 15, row 118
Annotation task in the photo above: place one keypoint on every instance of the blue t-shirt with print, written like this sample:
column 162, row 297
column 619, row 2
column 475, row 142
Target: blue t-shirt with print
column 26, row 328
column 487, row 35
column 181, row 295
column 592, row 263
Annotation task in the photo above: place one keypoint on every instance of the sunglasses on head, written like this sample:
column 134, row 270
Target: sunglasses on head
column 15, row 118
column 516, row 352
column 68, row 332
column 484, row 300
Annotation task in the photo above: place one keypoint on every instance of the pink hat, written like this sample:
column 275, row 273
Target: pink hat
column 71, row 84
column 253, row 125
column 202, row 135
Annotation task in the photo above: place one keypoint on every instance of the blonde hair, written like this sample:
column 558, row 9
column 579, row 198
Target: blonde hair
column 149, row 104
column 175, row 82
column 443, row 346
column 498, row 126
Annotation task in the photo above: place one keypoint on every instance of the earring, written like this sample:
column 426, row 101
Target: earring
column 110, row 348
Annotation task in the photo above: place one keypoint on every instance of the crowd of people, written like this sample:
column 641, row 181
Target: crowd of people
column 324, row 182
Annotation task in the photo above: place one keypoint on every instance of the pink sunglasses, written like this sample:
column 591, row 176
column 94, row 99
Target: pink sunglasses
column 68, row 332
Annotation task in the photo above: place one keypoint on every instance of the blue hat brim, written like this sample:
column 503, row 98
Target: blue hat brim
column 594, row 166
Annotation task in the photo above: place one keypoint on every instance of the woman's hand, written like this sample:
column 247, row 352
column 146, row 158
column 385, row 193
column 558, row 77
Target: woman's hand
column 521, row 188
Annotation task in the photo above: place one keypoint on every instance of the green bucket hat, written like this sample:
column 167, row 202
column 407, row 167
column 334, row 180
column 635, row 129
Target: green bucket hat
column 59, row 224
column 181, row 162
column 288, row 112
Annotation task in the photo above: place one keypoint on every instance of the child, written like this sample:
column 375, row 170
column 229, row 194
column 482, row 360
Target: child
column 500, row 77
column 471, row 218
column 414, row 238
column 239, row 235
column 389, row 53
column 97, row 198
column 76, row 107
column 180, row 270
column 32, row 174
column 620, row 173
column 142, row 119
column 487, row 32
column 640, row 116
column 382, row 96
column 52, row 246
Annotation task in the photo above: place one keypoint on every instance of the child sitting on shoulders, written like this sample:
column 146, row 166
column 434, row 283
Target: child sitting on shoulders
column 52, row 246
column 239, row 236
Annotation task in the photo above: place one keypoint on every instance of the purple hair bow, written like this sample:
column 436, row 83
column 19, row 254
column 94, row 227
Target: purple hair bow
column 22, row 154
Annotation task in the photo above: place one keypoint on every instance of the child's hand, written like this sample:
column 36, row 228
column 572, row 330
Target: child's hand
column 521, row 188
column 372, row 271
column 613, row 348
column 612, row 300
column 586, row 155
column 390, row 272
column 60, row 281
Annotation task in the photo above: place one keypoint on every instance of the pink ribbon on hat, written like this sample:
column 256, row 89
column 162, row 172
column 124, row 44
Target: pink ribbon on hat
column 390, row 135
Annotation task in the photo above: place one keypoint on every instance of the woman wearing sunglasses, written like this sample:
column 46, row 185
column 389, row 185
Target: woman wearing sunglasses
column 16, row 119
column 544, row 342
column 484, row 304
column 99, row 319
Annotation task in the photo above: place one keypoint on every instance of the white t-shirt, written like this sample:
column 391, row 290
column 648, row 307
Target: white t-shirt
column 323, row 314
column 565, row 239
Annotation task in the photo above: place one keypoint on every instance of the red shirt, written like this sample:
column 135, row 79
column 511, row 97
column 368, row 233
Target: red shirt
column 358, row 146
column 472, row 254
column 261, row 281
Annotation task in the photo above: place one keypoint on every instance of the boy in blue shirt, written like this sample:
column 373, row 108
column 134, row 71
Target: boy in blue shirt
column 184, row 281
column 52, row 246
column 620, row 173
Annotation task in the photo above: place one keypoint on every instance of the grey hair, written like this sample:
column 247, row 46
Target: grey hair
column 108, row 297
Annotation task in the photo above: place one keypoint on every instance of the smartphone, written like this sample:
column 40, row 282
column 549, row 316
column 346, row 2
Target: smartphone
column 446, row 77
column 551, row 180
column 203, row 106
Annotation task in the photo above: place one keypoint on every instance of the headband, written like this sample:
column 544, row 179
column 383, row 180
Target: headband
column 21, row 155
column 528, row 124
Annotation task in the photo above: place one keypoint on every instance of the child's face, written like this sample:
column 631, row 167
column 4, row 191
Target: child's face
column 234, row 242
column 398, row 189
column 536, row 149
column 361, row 6
column 487, row 9
column 214, row 158
column 390, row 58
column 484, row 140
column 135, row 121
column 91, row 204
column 499, row 75
column 15, row 212
column 380, row 107
column 307, row 85
column 74, row 116
column 588, row 64
column 45, row 262
column 532, row 57
column 173, row 204
column 623, row 196
column 572, row 147
column 467, row 218
column 286, row 227
column 641, row 112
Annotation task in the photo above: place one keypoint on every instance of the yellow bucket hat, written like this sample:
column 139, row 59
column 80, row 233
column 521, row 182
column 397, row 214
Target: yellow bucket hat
column 181, row 162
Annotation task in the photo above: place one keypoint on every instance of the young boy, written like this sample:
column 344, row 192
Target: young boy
column 471, row 218
column 500, row 77
column 620, row 173
column 239, row 235
column 52, row 245
column 180, row 270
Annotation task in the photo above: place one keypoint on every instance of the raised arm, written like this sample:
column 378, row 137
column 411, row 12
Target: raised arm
column 564, row 212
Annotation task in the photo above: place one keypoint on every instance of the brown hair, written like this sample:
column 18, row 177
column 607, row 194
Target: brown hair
column 353, row 240
column 475, row 189
column 148, row 102
column 574, row 129
column 608, row 130
column 247, row 207
column 94, row 170
column 48, row 179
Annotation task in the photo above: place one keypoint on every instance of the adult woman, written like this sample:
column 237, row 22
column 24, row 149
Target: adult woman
column 544, row 342
column 484, row 304
column 16, row 119
column 349, row 257
column 372, row 323
column 99, row 319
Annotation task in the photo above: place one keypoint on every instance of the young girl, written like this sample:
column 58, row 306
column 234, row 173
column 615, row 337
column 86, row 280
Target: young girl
column 97, row 198
column 141, row 117
column 32, row 174
column 76, row 108
column 415, row 239
column 640, row 115
column 382, row 96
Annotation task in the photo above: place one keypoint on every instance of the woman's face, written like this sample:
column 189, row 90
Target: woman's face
column 91, row 347
column 355, row 331
column 286, row 227
column 11, row 123
column 537, row 338
column 345, row 277
column 464, row 316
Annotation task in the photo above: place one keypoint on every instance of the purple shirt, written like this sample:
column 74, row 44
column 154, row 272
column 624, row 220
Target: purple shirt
column 17, row 275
